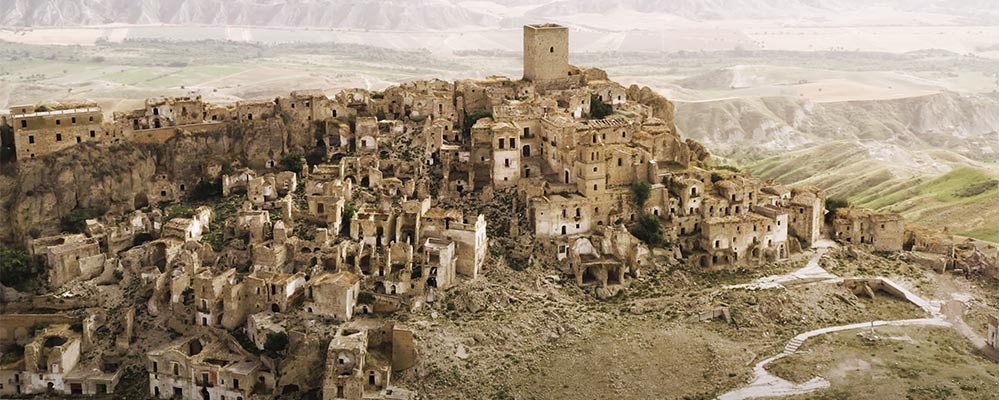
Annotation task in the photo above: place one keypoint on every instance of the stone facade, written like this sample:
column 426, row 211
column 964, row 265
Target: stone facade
column 546, row 53
column 38, row 132
column 879, row 231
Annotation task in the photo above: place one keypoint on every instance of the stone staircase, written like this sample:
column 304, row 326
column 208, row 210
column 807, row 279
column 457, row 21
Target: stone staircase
column 793, row 345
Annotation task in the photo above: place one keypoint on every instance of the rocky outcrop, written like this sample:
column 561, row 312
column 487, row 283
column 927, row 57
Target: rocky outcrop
column 109, row 178
column 661, row 107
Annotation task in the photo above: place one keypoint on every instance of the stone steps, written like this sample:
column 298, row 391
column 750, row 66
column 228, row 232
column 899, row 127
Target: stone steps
column 793, row 345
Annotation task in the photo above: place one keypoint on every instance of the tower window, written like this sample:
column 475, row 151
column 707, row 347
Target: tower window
column 24, row 123
column 551, row 49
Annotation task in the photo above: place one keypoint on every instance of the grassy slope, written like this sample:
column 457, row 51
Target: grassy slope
column 938, row 200
column 965, row 199
column 907, row 363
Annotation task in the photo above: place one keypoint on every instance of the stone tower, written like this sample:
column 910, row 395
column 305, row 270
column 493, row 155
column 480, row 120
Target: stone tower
column 546, row 53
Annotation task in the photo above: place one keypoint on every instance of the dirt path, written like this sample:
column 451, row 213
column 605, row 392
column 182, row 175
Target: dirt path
column 943, row 313
column 810, row 272
column 765, row 384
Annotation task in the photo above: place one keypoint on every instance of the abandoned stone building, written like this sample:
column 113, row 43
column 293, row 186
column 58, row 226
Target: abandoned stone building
column 69, row 257
column 858, row 226
column 55, row 360
column 39, row 130
column 360, row 362
column 209, row 365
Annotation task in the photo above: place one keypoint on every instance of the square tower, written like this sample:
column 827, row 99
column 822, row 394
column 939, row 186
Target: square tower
column 546, row 52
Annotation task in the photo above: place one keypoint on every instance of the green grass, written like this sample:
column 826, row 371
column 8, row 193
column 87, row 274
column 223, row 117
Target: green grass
column 991, row 235
column 962, row 185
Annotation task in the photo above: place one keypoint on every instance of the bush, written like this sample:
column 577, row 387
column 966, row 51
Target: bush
column 15, row 266
column 728, row 168
column 833, row 204
column 38, row 326
column 348, row 213
column 599, row 109
column 474, row 116
column 365, row 298
column 716, row 177
column 206, row 189
column 648, row 230
column 13, row 353
column 276, row 342
column 292, row 162
column 977, row 188
column 642, row 191
column 141, row 238
column 76, row 220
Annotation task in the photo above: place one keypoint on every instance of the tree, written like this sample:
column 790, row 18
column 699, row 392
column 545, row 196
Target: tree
column 15, row 266
column 206, row 189
column 474, row 116
column 276, row 342
column 648, row 230
column 642, row 191
column 76, row 220
column 599, row 109
column 833, row 204
column 348, row 213
column 292, row 162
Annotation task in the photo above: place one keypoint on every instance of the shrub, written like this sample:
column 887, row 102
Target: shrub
column 716, row 177
column 13, row 353
column 292, row 162
column 76, row 220
column 15, row 266
column 648, row 230
column 977, row 188
column 599, row 109
column 276, row 342
column 641, row 190
column 38, row 326
column 348, row 213
column 206, row 189
column 728, row 168
column 833, row 204
column 474, row 116
column 365, row 298
column 141, row 238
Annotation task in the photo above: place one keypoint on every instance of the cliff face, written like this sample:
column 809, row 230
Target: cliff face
column 661, row 107
column 87, row 176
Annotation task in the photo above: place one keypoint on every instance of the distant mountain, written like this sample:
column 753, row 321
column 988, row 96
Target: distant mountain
column 747, row 129
column 417, row 15
column 422, row 15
